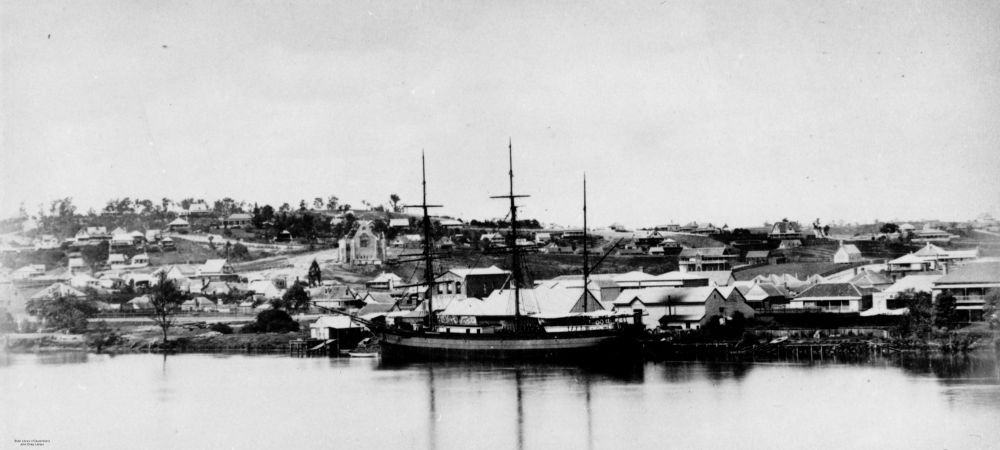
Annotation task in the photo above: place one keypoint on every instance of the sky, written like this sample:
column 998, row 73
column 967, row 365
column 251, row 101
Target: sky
column 722, row 111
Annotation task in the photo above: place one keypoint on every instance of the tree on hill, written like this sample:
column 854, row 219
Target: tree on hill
column 888, row 228
column 295, row 298
column 395, row 203
column 95, row 254
column 331, row 203
column 63, row 312
column 318, row 203
column 315, row 274
column 262, row 216
column 166, row 300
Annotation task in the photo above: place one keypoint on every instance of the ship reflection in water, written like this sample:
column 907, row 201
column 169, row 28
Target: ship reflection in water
column 236, row 401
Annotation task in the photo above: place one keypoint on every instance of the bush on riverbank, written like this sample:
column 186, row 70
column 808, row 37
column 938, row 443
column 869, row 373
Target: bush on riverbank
column 272, row 321
column 221, row 328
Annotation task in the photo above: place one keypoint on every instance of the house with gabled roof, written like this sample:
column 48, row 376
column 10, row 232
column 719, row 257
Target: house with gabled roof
column 602, row 286
column 847, row 253
column 58, row 290
column 937, row 254
column 969, row 284
column 757, row 256
column 763, row 296
column 198, row 304
column 784, row 230
column 736, row 303
column 401, row 222
column 908, row 263
column 471, row 282
column 179, row 224
column 831, row 297
column 264, row 289
column 195, row 210
column 673, row 307
column 887, row 301
column 385, row 281
column 117, row 260
column 373, row 310
column 217, row 270
column 707, row 258
column 237, row 220
column 870, row 279
column 340, row 297
column 139, row 260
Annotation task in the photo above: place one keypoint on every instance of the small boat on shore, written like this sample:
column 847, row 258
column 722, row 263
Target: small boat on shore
column 362, row 354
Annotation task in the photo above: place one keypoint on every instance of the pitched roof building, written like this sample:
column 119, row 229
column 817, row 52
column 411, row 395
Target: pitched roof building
column 847, row 253
column 831, row 297
column 969, row 284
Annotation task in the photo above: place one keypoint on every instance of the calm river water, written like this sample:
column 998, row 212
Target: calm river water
column 76, row 400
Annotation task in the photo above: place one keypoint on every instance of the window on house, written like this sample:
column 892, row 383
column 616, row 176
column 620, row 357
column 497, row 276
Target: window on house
column 364, row 241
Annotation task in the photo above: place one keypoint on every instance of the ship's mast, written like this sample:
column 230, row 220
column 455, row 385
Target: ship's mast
column 428, row 257
column 512, row 239
column 586, row 252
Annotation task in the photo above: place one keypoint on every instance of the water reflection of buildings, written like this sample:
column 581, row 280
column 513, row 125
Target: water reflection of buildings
column 714, row 370
column 952, row 369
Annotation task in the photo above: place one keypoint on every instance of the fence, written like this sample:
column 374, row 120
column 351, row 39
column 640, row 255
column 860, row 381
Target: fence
column 139, row 314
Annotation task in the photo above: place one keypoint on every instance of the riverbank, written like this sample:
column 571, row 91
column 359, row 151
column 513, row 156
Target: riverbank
column 197, row 337
column 816, row 345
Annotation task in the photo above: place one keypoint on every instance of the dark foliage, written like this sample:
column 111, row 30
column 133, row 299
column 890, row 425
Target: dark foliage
column 272, row 321
column 991, row 309
column 166, row 300
column 295, row 298
column 7, row 322
column 63, row 312
column 315, row 275
column 221, row 328
column 51, row 258
column 944, row 310
column 917, row 323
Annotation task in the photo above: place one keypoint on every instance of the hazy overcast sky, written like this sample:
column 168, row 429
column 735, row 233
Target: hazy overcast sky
column 731, row 112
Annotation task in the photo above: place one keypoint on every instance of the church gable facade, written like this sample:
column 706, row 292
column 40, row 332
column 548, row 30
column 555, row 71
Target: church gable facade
column 362, row 245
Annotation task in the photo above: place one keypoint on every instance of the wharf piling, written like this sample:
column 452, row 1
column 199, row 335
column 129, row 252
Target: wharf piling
column 808, row 351
column 313, row 347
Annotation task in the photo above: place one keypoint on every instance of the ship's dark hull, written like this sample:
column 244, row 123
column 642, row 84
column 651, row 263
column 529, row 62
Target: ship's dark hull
column 440, row 346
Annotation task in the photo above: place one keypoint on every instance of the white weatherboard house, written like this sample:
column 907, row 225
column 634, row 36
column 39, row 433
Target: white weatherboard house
column 847, row 253
column 830, row 297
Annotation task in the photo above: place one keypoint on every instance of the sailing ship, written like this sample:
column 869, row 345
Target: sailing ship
column 515, row 322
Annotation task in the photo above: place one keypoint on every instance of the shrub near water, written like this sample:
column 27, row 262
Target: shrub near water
column 221, row 328
column 272, row 321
